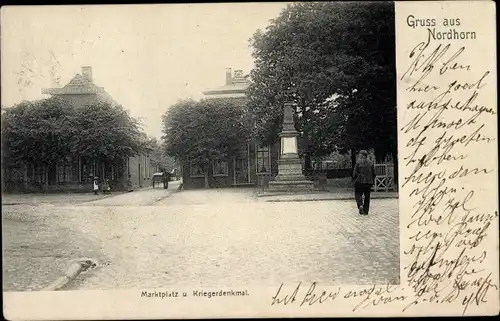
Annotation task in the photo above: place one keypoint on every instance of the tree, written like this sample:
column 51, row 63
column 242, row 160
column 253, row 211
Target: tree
column 40, row 132
column 49, row 130
column 205, row 131
column 336, row 61
column 158, row 154
column 107, row 132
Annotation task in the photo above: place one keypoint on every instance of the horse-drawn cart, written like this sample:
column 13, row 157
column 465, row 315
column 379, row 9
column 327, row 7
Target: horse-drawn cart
column 157, row 179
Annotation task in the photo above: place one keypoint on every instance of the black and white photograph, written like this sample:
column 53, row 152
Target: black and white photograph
column 202, row 145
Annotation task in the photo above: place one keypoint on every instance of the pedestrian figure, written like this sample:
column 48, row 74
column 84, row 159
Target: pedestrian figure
column 96, row 186
column 106, row 187
column 364, row 178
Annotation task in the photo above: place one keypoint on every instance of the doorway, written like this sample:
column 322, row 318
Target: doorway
column 241, row 166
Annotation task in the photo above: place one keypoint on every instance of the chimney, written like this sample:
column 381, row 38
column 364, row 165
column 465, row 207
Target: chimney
column 87, row 72
column 229, row 76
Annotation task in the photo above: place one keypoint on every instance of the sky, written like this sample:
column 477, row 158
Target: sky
column 147, row 57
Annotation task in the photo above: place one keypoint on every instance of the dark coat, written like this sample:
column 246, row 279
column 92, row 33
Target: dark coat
column 364, row 172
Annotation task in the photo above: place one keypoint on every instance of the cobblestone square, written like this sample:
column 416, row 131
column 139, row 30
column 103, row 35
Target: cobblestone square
column 203, row 238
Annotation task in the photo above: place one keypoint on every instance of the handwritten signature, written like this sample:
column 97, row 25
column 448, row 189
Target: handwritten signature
column 364, row 298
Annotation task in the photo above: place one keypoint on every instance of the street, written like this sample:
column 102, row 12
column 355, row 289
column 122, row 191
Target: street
column 153, row 238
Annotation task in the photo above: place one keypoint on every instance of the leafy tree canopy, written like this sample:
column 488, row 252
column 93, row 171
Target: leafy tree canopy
column 157, row 152
column 108, row 131
column 39, row 131
column 335, row 60
column 206, row 130
column 48, row 130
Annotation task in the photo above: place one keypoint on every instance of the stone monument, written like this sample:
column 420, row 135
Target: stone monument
column 290, row 177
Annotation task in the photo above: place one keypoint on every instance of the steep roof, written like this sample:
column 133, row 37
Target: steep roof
column 79, row 81
column 81, row 85
column 77, row 85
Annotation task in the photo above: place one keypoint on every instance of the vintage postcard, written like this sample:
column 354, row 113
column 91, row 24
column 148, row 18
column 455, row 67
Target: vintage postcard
column 225, row 160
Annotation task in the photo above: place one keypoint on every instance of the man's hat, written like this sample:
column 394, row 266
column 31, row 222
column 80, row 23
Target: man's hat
column 363, row 152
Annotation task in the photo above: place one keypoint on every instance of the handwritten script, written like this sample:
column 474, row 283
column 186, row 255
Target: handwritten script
column 313, row 294
column 447, row 125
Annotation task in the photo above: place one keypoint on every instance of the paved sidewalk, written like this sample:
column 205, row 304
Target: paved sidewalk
column 140, row 197
column 212, row 196
column 321, row 196
column 38, row 246
column 34, row 199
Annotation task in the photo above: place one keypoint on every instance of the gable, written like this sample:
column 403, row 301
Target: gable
column 79, row 81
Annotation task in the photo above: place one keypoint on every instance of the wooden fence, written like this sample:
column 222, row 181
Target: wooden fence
column 385, row 177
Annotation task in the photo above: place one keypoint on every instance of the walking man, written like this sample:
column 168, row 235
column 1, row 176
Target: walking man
column 364, row 177
column 166, row 178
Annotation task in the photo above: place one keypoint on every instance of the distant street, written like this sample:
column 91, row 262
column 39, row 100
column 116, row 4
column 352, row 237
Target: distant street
column 206, row 237
column 141, row 197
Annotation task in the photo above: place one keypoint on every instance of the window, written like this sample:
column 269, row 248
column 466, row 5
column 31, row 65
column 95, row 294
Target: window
column 111, row 171
column 263, row 156
column 64, row 173
column 196, row 170
column 39, row 174
column 87, row 172
column 15, row 174
column 220, row 168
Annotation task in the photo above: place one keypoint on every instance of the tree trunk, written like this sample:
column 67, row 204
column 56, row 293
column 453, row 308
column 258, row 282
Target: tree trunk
column 353, row 158
column 307, row 152
column 25, row 176
column 307, row 161
column 380, row 154
column 46, row 174
column 206, row 177
column 306, row 114
column 79, row 169
column 396, row 170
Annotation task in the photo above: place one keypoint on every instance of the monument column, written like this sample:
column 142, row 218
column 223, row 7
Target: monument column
column 290, row 177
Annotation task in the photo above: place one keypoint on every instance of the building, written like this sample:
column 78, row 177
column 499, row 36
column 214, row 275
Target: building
column 77, row 173
column 81, row 90
column 253, row 165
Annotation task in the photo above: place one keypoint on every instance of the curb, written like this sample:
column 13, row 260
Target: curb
column 312, row 198
column 324, row 199
column 29, row 204
column 71, row 273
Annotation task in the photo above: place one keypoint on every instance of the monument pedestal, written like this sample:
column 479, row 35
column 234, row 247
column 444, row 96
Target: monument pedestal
column 290, row 178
